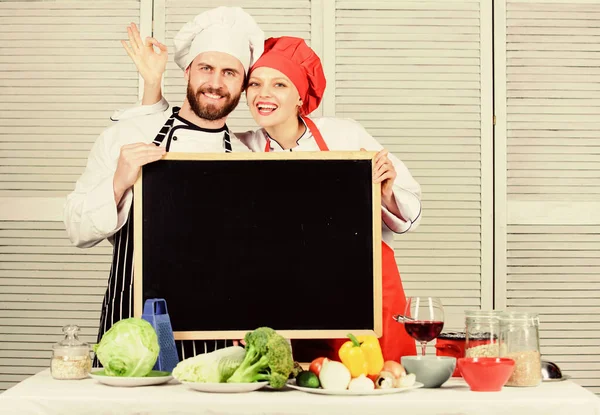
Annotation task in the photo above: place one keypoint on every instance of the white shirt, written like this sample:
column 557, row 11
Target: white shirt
column 90, row 211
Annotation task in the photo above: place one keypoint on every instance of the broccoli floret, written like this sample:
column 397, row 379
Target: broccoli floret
column 268, row 357
column 277, row 380
column 259, row 338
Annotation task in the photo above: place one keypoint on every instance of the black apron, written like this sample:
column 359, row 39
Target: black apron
column 118, row 299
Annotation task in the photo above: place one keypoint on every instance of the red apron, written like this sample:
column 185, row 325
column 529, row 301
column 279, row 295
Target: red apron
column 395, row 342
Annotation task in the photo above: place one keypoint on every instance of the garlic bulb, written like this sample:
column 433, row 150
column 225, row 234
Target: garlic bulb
column 361, row 383
column 406, row 381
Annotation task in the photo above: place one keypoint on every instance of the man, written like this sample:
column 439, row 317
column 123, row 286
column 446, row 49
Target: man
column 215, row 51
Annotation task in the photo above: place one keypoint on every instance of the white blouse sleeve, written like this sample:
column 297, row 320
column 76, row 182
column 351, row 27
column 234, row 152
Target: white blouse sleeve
column 407, row 191
column 90, row 213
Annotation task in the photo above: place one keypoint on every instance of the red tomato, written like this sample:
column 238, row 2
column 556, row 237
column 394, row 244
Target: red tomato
column 316, row 365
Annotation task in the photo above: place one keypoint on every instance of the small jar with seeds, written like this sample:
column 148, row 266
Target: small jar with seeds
column 70, row 357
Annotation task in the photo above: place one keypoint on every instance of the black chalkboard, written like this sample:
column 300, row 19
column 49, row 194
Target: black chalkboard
column 235, row 242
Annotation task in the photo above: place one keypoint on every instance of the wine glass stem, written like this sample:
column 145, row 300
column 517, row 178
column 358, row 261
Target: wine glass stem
column 423, row 347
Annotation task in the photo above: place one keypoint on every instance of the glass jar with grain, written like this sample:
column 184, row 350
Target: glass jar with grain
column 520, row 341
column 70, row 357
column 482, row 333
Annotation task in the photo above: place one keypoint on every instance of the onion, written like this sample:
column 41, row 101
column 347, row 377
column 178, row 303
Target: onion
column 334, row 375
column 397, row 372
column 395, row 368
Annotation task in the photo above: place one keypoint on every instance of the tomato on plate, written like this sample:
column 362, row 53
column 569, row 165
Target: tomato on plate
column 316, row 365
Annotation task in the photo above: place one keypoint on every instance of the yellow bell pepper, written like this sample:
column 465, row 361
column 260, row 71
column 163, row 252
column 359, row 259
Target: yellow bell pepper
column 362, row 355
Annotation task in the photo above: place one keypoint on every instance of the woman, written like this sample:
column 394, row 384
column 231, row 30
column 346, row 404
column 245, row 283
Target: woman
column 285, row 85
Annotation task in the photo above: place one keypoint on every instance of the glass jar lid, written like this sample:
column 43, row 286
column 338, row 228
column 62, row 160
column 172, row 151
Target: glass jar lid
column 71, row 345
column 482, row 317
column 482, row 313
column 520, row 318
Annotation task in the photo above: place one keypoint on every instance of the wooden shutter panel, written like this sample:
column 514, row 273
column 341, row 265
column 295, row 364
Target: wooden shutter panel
column 45, row 283
column 62, row 74
column 552, row 174
column 417, row 76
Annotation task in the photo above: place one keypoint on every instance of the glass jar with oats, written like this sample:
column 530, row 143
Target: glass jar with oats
column 482, row 333
column 70, row 357
column 520, row 341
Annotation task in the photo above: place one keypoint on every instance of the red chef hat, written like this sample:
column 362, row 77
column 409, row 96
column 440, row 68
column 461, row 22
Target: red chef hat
column 296, row 60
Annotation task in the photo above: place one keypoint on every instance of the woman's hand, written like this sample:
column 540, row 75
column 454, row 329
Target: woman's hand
column 150, row 63
column 384, row 173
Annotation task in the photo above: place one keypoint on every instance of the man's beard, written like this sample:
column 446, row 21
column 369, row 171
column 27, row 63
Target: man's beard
column 211, row 112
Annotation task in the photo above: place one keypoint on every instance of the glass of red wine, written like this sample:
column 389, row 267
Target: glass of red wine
column 424, row 319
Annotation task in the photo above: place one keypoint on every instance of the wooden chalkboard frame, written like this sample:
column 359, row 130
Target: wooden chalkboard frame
column 291, row 156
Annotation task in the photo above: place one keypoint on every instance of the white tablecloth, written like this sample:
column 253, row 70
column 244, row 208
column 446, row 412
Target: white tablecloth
column 42, row 395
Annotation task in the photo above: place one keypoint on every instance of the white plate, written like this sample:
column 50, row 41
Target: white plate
column 320, row 391
column 155, row 377
column 225, row 387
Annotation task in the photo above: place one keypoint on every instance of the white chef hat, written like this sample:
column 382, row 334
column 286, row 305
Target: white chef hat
column 224, row 29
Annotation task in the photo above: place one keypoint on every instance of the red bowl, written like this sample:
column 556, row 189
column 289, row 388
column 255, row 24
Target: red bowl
column 486, row 374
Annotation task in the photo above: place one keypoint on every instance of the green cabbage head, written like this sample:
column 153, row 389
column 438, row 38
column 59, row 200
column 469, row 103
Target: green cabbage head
column 130, row 348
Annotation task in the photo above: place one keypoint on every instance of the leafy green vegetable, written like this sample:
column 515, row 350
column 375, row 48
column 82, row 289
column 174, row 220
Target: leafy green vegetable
column 130, row 348
column 268, row 357
column 213, row 367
